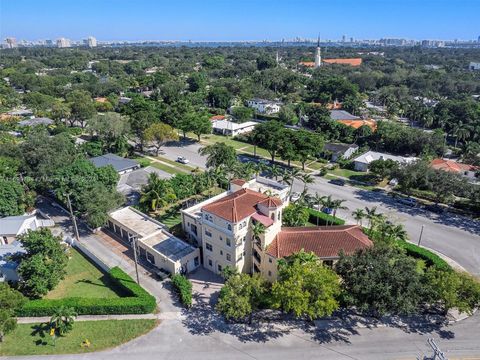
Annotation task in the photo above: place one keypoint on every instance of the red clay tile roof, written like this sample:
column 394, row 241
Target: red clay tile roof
column 271, row 202
column 351, row 62
column 265, row 220
column 239, row 182
column 359, row 123
column 324, row 241
column 451, row 166
column 217, row 117
column 237, row 206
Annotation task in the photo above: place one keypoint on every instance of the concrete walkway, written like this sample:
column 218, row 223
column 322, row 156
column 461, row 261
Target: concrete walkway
column 170, row 315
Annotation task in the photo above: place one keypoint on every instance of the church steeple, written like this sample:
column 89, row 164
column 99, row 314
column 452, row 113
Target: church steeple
column 318, row 55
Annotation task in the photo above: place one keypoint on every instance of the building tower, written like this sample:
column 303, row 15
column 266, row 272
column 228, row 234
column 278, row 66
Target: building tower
column 277, row 58
column 318, row 55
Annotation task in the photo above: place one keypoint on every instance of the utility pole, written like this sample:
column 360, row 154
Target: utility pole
column 134, row 245
column 420, row 237
column 73, row 218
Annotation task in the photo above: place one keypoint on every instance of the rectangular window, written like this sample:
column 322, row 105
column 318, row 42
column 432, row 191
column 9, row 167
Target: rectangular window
column 208, row 233
column 208, row 247
column 196, row 261
column 210, row 263
column 150, row 258
column 269, row 273
column 229, row 242
column 270, row 260
column 229, row 257
column 221, row 252
column 219, row 268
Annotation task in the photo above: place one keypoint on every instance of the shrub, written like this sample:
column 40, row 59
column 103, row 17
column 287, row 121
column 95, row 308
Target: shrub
column 136, row 301
column 323, row 218
column 429, row 257
column 184, row 289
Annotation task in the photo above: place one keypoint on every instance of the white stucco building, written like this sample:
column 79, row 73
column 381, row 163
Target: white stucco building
column 263, row 106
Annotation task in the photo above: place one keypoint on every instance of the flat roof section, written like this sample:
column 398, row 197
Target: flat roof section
column 135, row 221
column 168, row 245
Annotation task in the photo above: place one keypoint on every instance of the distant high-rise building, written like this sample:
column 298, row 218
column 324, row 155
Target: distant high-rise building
column 10, row 43
column 90, row 42
column 344, row 37
column 318, row 55
column 478, row 40
column 49, row 42
column 63, row 43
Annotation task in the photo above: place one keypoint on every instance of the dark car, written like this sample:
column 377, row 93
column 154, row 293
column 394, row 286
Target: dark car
column 435, row 208
column 162, row 274
column 339, row 182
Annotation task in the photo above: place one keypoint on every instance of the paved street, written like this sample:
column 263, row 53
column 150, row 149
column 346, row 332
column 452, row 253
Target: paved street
column 455, row 236
column 200, row 333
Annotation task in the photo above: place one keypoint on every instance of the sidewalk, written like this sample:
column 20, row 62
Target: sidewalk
column 161, row 316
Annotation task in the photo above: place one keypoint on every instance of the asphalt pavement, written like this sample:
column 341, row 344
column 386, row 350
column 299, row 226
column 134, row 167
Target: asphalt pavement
column 455, row 236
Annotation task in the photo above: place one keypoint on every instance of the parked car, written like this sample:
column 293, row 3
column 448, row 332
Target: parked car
column 435, row 208
column 295, row 196
column 407, row 201
column 327, row 210
column 162, row 274
column 339, row 182
column 182, row 160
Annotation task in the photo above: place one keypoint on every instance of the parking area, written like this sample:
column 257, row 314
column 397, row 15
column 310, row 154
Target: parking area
column 206, row 286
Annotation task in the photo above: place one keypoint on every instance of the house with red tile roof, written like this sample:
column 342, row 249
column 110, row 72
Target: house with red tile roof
column 222, row 227
column 466, row 170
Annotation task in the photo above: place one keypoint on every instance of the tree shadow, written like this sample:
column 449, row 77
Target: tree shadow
column 41, row 330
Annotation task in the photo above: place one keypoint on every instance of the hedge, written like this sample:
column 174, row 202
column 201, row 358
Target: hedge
column 322, row 218
column 136, row 301
column 429, row 257
column 184, row 289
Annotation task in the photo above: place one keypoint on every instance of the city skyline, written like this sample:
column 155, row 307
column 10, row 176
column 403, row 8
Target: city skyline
column 219, row 20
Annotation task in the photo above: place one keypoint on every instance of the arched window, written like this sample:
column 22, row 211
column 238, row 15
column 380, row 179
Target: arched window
column 229, row 227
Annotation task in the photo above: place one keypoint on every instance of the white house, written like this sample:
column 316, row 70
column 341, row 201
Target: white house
column 474, row 66
column 340, row 151
column 263, row 106
column 156, row 245
column 363, row 161
column 226, row 127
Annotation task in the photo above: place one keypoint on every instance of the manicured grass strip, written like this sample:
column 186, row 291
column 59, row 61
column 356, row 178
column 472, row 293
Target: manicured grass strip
column 429, row 257
column 143, row 161
column 166, row 168
column 34, row 339
column 136, row 301
column 176, row 164
column 84, row 279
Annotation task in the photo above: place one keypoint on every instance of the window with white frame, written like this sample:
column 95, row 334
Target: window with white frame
column 229, row 257
column 209, row 247
column 228, row 242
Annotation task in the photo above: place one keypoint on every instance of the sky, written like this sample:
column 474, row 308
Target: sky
column 224, row 20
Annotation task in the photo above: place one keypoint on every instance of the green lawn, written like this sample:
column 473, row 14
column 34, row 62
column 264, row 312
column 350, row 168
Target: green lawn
column 167, row 168
column 34, row 339
column 84, row 279
column 180, row 166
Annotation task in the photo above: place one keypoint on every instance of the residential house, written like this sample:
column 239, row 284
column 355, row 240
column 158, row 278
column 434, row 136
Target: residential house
column 466, row 170
column 36, row 122
column 362, row 162
column 226, row 127
column 474, row 65
column 155, row 244
column 339, row 151
column 121, row 165
column 223, row 227
column 342, row 115
column 324, row 241
column 263, row 106
column 10, row 228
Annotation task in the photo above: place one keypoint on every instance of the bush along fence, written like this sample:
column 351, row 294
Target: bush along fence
column 429, row 257
column 323, row 219
column 136, row 301
column 184, row 289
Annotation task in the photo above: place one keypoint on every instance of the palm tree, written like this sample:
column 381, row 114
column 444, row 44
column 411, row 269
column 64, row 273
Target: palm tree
column 157, row 193
column 359, row 215
column 337, row 205
column 370, row 215
column 461, row 132
column 290, row 176
column 306, row 179
column 258, row 229
column 63, row 319
column 328, row 203
column 275, row 171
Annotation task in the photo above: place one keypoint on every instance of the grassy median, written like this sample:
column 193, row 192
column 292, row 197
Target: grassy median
column 34, row 339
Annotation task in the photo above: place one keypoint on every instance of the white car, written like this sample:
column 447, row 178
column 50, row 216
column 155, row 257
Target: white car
column 182, row 160
column 295, row 196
